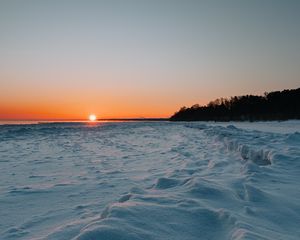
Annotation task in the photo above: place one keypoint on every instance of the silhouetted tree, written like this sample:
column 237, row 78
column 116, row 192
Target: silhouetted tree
column 271, row 106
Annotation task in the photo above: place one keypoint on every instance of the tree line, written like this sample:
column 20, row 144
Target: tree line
column 278, row 105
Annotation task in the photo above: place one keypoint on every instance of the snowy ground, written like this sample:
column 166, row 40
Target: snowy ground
column 155, row 180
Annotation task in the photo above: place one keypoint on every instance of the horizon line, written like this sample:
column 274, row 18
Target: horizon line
column 87, row 120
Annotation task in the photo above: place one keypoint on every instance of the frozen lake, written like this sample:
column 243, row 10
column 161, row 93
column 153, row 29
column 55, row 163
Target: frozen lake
column 150, row 180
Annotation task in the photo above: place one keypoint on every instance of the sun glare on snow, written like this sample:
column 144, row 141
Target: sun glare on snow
column 92, row 117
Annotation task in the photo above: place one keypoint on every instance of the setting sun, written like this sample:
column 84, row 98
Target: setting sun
column 92, row 117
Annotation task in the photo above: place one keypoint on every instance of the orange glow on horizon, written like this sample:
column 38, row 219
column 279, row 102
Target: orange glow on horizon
column 73, row 106
column 75, row 112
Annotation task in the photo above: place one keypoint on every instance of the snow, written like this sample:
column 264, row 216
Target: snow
column 150, row 180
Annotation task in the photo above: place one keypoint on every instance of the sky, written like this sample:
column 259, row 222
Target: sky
column 63, row 59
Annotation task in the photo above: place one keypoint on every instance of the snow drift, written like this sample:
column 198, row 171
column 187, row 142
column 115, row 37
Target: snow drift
column 149, row 181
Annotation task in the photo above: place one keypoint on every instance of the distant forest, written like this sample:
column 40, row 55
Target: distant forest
column 279, row 105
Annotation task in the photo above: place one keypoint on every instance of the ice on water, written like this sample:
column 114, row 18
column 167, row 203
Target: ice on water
column 150, row 180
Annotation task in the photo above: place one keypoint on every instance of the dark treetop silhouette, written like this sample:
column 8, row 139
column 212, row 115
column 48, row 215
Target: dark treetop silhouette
column 279, row 105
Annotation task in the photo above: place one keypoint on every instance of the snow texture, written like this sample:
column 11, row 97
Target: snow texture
column 150, row 180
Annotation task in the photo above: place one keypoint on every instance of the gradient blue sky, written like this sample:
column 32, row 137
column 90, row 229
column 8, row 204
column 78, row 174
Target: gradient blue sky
column 66, row 59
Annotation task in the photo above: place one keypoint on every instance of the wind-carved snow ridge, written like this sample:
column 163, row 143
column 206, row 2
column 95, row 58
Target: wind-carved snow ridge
column 248, row 145
column 148, row 181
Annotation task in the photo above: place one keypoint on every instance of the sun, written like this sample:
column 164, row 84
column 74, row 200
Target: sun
column 92, row 117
